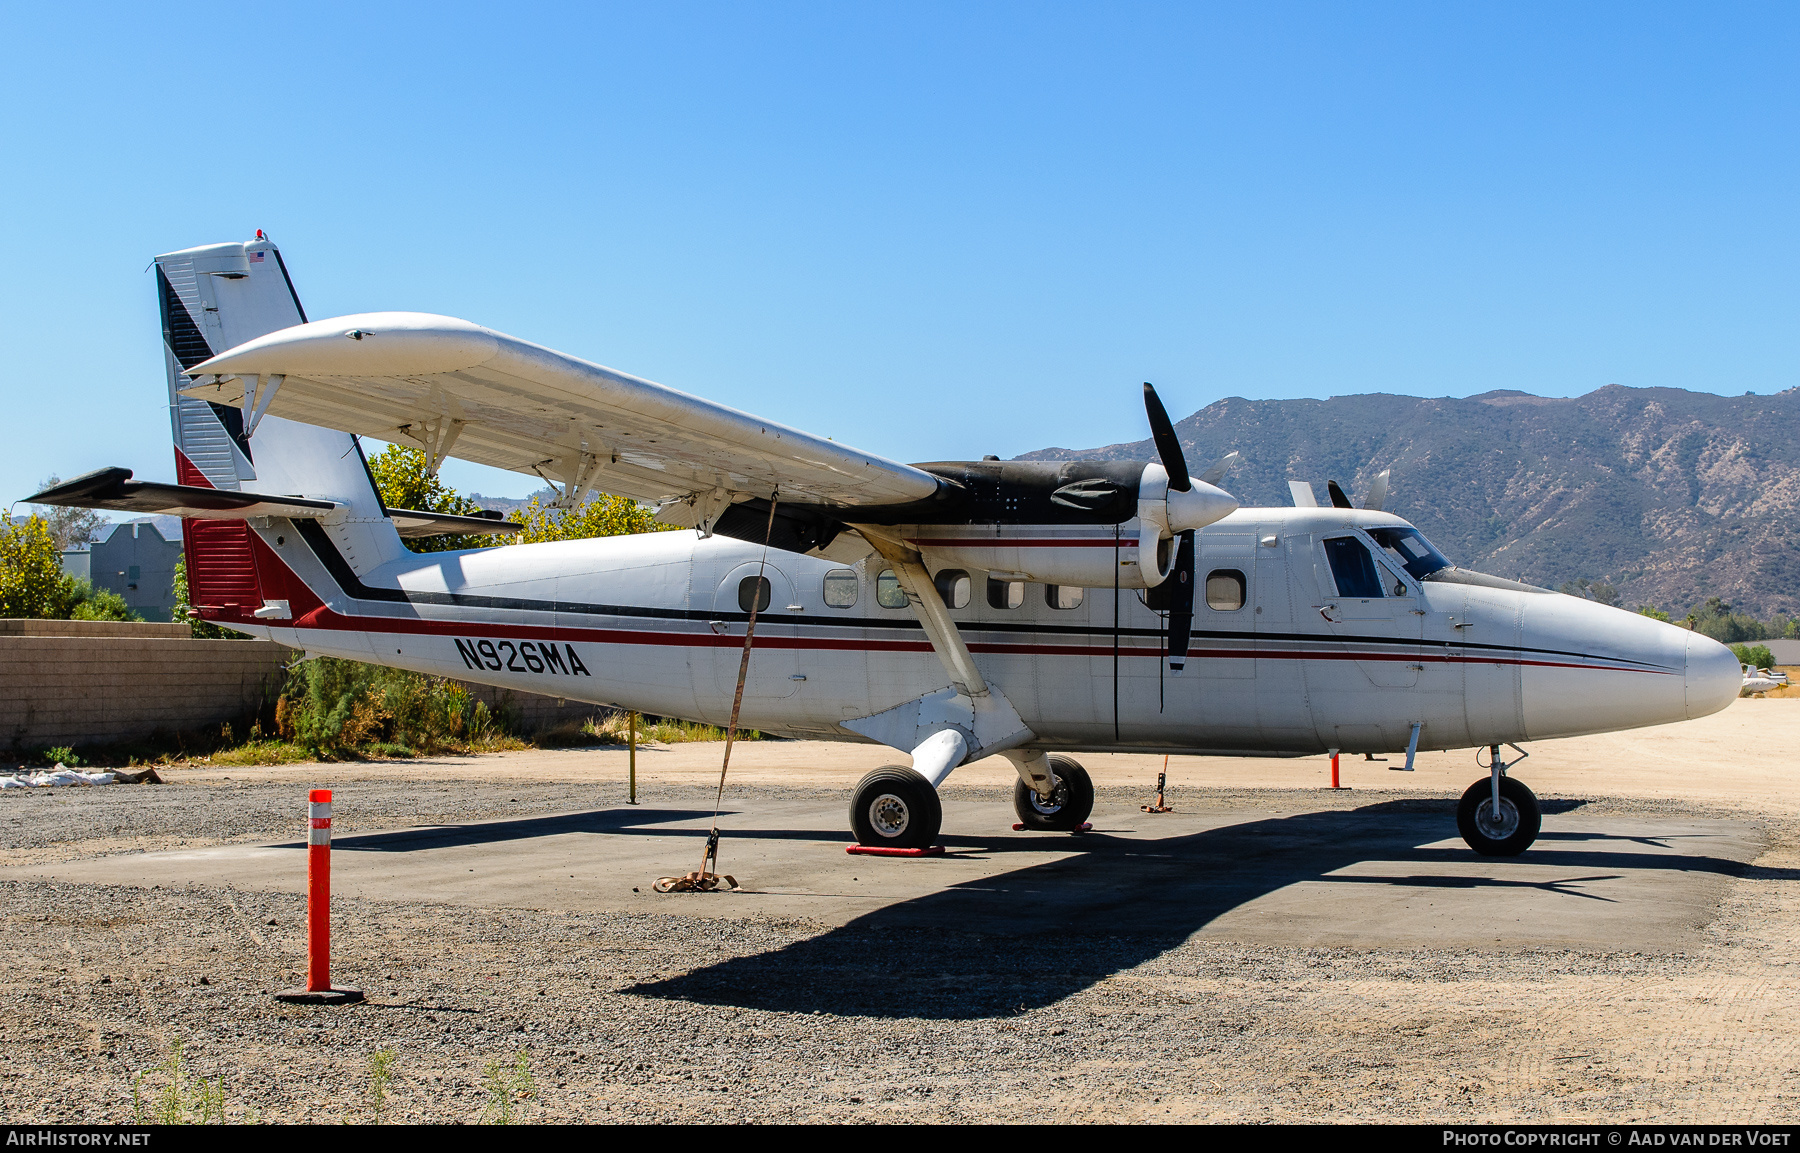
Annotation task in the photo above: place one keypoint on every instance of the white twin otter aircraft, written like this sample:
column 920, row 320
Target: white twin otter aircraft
column 950, row 611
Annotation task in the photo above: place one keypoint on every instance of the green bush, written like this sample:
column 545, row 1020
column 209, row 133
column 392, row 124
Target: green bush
column 100, row 605
column 184, row 611
column 331, row 707
column 1757, row 656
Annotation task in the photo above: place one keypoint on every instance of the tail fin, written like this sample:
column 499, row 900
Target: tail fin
column 214, row 298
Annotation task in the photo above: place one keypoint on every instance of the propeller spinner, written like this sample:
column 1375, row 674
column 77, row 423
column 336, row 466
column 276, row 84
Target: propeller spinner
column 1191, row 505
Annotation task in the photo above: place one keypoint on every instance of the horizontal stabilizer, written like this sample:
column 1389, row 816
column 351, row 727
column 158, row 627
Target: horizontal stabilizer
column 412, row 523
column 113, row 488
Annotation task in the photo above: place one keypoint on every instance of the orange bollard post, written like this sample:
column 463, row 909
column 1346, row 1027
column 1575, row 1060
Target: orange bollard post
column 318, row 889
column 319, row 989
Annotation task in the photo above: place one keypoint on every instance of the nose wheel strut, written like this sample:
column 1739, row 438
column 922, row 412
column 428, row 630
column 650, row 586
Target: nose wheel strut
column 1499, row 816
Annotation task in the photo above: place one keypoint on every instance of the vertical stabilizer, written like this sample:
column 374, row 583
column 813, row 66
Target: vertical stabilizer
column 215, row 298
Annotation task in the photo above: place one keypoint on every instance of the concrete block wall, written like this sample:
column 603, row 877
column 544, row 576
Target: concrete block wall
column 99, row 682
column 92, row 689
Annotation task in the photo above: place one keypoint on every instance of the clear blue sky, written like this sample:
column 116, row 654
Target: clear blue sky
column 930, row 231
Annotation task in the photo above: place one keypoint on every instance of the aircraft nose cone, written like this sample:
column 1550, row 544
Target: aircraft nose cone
column 1713, row 675
column 1604, row 669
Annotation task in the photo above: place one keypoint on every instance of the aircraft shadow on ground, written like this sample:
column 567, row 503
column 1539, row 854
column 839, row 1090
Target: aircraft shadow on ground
column 523, row 828
column 649, row 822
column 1128, row 901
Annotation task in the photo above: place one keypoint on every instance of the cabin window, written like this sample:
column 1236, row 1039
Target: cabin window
column 1005, row 594
column 1062, row 596
column 1225, row 590
column 841, row 588
column 953, row 584
column 1352, row 567
column 753, row 590
column 888, row 593
column 1408, row 547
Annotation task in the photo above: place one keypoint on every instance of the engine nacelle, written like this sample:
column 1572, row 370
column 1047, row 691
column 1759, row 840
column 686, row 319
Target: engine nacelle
column 1081, row 524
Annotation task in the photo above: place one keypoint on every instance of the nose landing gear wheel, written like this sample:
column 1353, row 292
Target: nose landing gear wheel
column 1071, row 799
column 1505, row 832
column 896, row 808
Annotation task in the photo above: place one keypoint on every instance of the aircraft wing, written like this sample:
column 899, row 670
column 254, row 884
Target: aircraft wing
column 453, row 388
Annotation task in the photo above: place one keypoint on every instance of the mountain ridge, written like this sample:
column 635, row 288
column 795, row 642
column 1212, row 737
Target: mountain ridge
column 1671, row 496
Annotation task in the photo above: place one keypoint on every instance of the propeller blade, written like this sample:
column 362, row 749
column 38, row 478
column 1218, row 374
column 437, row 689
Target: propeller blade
column 1377, row 495
column 1303, row 494
column 1338, row 499
column 1215, row 472
column 1167, row 445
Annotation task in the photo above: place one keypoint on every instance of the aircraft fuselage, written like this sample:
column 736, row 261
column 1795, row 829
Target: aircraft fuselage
column 1280, row 662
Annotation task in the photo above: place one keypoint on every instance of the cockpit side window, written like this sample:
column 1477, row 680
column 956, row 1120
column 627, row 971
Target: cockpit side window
column 1408, row 547
column 1352, row 567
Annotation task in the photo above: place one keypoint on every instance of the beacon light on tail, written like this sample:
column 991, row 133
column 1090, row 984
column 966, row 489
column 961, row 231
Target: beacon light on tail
column 949, row 610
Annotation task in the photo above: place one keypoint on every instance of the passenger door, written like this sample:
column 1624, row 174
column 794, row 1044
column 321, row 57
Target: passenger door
column 774, row 661
column 1225, row 605
column 1374, row 611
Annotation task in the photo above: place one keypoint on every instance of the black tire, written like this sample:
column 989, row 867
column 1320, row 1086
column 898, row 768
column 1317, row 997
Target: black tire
column 896, row 808
column 1521, row 818
column 1071, row 801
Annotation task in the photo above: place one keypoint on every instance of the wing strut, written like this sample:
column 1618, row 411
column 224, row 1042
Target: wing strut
column 928, row 606
column 992, row 724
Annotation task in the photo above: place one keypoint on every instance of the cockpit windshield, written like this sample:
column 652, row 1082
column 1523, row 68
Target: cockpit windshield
column 1411, row 549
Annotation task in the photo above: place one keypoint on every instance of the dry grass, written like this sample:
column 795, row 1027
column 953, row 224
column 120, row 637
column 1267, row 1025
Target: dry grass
column 615, row 729
column 259, row 752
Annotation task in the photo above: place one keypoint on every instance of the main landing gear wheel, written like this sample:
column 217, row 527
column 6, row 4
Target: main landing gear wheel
column 1071, row 799
column 896, row 808
column 1503, row 833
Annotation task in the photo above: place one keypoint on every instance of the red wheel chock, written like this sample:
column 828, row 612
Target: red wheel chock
column 884, row 851
column 1086, row 827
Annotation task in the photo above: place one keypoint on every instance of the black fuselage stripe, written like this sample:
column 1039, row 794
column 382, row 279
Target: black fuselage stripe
column 353, row 587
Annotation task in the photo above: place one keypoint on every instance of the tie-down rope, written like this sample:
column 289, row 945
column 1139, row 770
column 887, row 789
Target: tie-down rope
column 702, row 880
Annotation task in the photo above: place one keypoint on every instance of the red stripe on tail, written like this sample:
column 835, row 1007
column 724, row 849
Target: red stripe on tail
column 221, row 568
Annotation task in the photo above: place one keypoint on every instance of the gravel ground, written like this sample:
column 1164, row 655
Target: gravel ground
column 691, row 1016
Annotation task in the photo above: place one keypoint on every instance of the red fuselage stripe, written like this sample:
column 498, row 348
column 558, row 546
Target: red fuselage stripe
column 1021, row 542
column 326, row 619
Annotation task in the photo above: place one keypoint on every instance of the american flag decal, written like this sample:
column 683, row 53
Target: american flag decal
column 256, row 258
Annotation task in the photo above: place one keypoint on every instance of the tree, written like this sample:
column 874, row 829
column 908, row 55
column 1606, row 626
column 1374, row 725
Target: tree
column 33, row 584
column 602, row 516
column 403, row 482
column 70, row 527
column 1592, row 590
column 1715, row 619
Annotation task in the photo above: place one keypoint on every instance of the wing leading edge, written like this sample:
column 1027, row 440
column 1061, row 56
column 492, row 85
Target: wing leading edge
column 454, row 388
